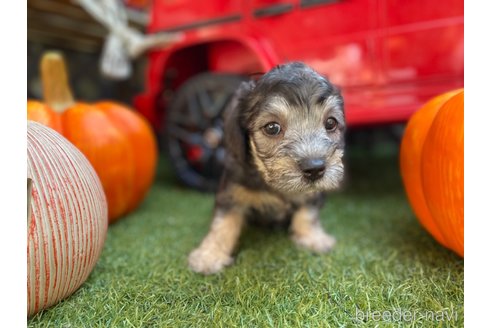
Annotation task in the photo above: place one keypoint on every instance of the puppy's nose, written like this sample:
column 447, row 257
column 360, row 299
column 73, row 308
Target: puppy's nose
column 313, row 168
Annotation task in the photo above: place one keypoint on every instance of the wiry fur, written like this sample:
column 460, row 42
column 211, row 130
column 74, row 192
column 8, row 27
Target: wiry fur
column 262, row 179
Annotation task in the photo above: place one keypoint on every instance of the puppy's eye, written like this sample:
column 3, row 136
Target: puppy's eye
column 331, row 124
column 272, row 129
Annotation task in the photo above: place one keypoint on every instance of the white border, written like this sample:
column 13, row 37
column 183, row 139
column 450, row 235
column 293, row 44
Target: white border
column 478, row 164
column 13, row 307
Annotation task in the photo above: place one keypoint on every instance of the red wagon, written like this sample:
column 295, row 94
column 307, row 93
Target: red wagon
column 388, row 57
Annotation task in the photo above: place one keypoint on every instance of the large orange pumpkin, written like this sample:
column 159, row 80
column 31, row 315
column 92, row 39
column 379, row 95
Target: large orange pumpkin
column 118, row 142
column 432, row 167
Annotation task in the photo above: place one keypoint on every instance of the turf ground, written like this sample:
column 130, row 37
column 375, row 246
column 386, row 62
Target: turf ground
column 385, row 270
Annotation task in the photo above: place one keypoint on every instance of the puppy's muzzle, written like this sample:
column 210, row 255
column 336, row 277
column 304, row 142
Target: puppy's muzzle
column 312, row 168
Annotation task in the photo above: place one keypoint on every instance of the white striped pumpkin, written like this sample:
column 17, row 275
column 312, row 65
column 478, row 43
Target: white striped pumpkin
column 67, row 218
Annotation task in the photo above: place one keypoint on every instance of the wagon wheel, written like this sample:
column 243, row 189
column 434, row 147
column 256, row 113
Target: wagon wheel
column 195, row 127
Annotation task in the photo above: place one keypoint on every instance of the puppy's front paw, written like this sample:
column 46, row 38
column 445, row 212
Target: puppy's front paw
column 208, row 260
column 317, row 241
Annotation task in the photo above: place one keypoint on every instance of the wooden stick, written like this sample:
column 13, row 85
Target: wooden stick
column 54, row 77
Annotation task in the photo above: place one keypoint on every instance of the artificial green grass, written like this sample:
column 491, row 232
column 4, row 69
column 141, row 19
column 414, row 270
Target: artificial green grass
column 383, row 261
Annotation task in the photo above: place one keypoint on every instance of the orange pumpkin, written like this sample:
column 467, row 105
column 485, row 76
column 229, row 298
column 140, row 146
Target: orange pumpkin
column 42, row 113
column 117, row 141
column 432, row 167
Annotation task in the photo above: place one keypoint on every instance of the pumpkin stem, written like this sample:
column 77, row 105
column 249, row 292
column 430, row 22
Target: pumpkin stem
column 56, row 90
column 29, row 196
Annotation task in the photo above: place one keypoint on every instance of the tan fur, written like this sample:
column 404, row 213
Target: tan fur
column 279, row 106
column 259, row 164
column 255, row 199
column 214, row 253
column 308, row 233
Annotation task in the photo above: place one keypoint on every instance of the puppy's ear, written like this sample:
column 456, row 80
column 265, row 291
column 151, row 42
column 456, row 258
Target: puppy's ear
column 235, row 133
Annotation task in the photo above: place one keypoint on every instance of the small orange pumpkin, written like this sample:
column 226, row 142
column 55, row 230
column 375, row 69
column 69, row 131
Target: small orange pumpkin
column 42, row 113
column 432, row 168
column 117, row 141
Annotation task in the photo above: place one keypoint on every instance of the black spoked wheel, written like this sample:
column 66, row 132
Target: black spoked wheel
column 195, row 128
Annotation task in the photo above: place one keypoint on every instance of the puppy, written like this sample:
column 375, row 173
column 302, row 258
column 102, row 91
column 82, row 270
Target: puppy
column 284, row 139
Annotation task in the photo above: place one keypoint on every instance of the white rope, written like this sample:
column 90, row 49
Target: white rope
column 123, row 42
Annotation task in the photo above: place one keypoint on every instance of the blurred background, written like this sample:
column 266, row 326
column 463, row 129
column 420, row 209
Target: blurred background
column 177, row 62
column 66, row 26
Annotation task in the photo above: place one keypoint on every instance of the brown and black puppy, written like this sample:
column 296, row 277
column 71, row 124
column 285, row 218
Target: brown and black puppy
column 284, row 137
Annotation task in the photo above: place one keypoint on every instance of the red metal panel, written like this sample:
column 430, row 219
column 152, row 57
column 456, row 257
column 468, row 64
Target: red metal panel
column 339, row 46
column 388, row 56
column 422, row 40
column 170, row 14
